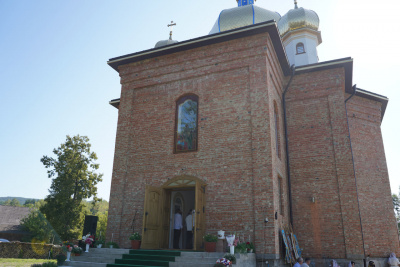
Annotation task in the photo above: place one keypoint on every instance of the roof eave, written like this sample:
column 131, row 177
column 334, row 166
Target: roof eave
column 269, row 26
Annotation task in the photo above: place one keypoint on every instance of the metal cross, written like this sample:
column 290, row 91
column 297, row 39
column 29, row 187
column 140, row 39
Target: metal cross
column 171, row 25
column 295, row 4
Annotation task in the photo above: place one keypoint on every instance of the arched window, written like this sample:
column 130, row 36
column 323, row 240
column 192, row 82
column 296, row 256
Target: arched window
column 300, row 48
column 277, row 130
column 186, row 118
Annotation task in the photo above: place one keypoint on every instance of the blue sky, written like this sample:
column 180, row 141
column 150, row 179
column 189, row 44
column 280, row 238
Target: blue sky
column 55, row 80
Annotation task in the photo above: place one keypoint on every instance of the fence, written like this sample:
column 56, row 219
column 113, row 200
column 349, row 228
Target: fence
column 28, row 250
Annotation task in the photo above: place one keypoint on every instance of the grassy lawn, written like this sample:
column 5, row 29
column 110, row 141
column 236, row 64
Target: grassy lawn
column 21, row 262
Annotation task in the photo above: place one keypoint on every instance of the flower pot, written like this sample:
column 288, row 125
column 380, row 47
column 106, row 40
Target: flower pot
column 111, row 246
column 135, row 244
column 68, row 256
column 87, row 248
column 210, row 246
column 99, row 245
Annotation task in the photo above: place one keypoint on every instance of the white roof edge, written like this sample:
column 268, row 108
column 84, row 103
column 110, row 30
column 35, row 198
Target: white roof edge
column 189, row 42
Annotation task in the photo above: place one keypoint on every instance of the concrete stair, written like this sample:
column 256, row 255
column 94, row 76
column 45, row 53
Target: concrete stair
column 105, row 257
column 96, row 257
column 208, row 259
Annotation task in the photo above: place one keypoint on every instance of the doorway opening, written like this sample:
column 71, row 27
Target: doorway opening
column 184, row 200
column 184, row 192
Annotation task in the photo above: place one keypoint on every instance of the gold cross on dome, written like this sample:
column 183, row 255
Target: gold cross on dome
column 171, row 25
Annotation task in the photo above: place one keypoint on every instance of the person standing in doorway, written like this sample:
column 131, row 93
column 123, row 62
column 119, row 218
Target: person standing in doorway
column 306, row 263
column 177, row 227
column 189, row 230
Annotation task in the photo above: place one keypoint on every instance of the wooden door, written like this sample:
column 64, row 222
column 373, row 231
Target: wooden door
column 166, row 214
column 152, row 219
column 200, row 205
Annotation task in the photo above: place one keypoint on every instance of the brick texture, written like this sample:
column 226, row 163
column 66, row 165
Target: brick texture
column 237, row 83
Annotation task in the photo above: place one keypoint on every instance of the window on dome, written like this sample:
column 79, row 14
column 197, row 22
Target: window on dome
column 300, row 48
column 186, row 123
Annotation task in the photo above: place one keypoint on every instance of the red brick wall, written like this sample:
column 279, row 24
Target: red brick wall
column 321, row 167
column 378, row 221
column 237, row 83
column 235, row 156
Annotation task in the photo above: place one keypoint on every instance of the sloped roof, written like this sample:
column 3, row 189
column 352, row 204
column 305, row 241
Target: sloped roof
column 10, row 218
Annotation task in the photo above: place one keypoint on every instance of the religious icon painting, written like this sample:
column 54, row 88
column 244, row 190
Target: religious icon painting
column 186, row 123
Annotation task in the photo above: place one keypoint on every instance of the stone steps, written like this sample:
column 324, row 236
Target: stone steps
column 96, row 257
column 125, row 257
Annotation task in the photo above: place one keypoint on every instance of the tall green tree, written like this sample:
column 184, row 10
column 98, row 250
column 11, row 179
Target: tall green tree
column 74, row 179
column 396, row 204
column 39, row 228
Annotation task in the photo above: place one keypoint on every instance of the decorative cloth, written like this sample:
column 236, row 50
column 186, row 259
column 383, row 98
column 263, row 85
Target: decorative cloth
column 335, row 264
column 393, row 261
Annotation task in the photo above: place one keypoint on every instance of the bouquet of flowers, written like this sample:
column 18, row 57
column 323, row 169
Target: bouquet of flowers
column 88, row 239
column 224, row 261
column 67, row 248
column 76, row 249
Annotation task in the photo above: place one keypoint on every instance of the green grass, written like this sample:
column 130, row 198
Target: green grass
column 21, row 262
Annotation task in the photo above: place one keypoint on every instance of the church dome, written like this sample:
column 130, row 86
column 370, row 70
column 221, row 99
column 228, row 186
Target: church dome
column 298, row 18
column 244, row 15
column 164, row 43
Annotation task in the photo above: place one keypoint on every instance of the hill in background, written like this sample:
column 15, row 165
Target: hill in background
column 20, row 199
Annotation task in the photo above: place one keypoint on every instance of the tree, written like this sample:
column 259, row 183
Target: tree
column 396, row 204
column 39, row 228
column 13, row 202
column 29, row 203
column 74, row 179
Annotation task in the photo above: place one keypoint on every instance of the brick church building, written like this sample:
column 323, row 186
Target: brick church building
column 246, row 127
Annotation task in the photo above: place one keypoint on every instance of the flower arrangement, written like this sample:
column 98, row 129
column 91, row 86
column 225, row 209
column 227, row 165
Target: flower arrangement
column 224, row 261
column 241, row 248
column 135, row 236
column 88, row 239
column 67, row 247
column 250, row 247
column 76, row 249
column 210, row 238
column 230, row 257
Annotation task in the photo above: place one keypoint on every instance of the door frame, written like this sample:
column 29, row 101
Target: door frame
column 181, row 182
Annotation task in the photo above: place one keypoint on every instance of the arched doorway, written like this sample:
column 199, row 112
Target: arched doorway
column 159, row 205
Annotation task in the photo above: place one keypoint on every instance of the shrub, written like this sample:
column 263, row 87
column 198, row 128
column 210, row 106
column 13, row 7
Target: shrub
column 60, row 259
column 49, row 264
column 36, row 265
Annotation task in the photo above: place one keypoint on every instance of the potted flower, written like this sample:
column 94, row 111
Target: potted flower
column 88, row 239
column 135, row 240
column 241, row 248
column 67, row 248
column 99, row 243
column 250, row 247
column 210, row 242
column 112, row 245
column 76, row 250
